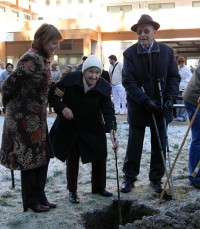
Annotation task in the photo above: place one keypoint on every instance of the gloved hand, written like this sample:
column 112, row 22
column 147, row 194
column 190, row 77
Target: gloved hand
column 167, row 107
column 152, row 106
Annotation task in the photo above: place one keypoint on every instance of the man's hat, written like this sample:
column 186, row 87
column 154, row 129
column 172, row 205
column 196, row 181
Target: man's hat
column 145, row 19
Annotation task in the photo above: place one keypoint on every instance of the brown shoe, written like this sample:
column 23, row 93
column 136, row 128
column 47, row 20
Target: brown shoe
column 38, row 208
column 48, row 204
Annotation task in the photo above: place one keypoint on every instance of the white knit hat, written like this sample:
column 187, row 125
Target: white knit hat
column 90, row 62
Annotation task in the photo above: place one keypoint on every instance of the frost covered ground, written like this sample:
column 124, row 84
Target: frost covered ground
column 68, row 215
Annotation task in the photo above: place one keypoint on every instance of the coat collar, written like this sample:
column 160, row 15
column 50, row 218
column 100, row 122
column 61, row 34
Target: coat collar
column 141, row 50
column 76, row 78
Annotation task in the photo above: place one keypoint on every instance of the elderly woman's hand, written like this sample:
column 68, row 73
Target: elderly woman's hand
column 58, row 92
column 67, row 113
column 198, row 100
column 115, row 145
column 115, row 142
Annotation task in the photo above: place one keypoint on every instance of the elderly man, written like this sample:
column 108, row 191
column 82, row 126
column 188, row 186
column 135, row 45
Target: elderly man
column 148, row 65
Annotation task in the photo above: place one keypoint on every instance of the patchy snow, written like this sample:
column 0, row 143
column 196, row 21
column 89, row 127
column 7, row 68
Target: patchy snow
column 68, row 215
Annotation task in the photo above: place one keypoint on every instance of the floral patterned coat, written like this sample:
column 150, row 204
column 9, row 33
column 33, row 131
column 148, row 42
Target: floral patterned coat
column 24, row 94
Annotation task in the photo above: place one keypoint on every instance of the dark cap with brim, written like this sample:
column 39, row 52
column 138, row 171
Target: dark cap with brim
column 145, row 19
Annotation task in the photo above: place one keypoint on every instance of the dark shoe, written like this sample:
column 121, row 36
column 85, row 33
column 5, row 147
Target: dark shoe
column 73, row 198
column 38, row 208
column 156, row 185
column 127, row 185
column 48, row 204
column 103, row 193
column 195, row 184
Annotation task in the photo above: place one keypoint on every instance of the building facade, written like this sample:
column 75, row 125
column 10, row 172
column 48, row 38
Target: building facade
column 97, row 27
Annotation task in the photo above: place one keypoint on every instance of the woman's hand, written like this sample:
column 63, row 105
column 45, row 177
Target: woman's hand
column 115, row 145
column 58, row 92
column 115, row 142
column 198, row 100
column 67, row 113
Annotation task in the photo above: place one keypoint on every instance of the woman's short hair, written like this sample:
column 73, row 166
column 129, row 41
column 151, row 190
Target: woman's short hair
column 44, row 34
column 180, row 59
column 9, row 64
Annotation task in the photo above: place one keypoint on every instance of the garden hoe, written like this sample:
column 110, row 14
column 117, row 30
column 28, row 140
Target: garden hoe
column 179, row 151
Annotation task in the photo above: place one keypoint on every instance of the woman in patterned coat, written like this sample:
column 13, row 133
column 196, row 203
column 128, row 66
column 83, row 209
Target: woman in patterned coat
column 25, row 144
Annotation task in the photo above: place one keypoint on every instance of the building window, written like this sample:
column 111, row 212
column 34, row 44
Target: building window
column 196, row 4
column 73, row 59
column 69, row 1
column 90, row 1
column 66, row 45
column 159, row 6
column 27, row 17
column 80, row 1
column 2, row 9
column 47, row 2
column 117, row 9
column 15, row 12
column 58, row 2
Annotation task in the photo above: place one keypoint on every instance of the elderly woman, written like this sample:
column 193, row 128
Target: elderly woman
column 85, row 114
column 25, row 138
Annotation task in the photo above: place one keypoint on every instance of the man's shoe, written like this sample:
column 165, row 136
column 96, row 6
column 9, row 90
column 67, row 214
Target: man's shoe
column 156, row 185
column 104, row 193
column 195, row 184
column 127, row 185
column 73, row 198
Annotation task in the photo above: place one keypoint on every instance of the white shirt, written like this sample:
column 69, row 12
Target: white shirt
column 186, row 75
column 116, row 77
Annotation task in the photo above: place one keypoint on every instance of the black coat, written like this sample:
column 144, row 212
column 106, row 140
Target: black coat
column 93, row 116
column 142, row 70
column 105, row 75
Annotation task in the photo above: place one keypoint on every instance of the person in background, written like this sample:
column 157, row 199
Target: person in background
column 79, row 67
column 2, row 67
column 191, row 97
column 186, row 75
column 25, row 141
column 146, row 64
column 118, row 91
column 67, row 69
column 55, row 76
column 84, row 115
column 6, row 73
column 105, row 75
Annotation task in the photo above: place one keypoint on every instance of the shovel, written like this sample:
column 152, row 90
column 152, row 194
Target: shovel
column 166, row 196
column 117, row 175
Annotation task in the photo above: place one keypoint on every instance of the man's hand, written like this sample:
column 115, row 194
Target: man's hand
column 152, row 106
column 167, row 107
column 67, row 113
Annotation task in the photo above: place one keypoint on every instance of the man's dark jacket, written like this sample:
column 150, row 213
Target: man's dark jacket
column 93, row 114
column 140, row 76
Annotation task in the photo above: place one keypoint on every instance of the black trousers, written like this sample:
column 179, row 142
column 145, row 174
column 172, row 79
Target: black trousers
column 132, row 160
column 98, row 178
column 33, row 184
